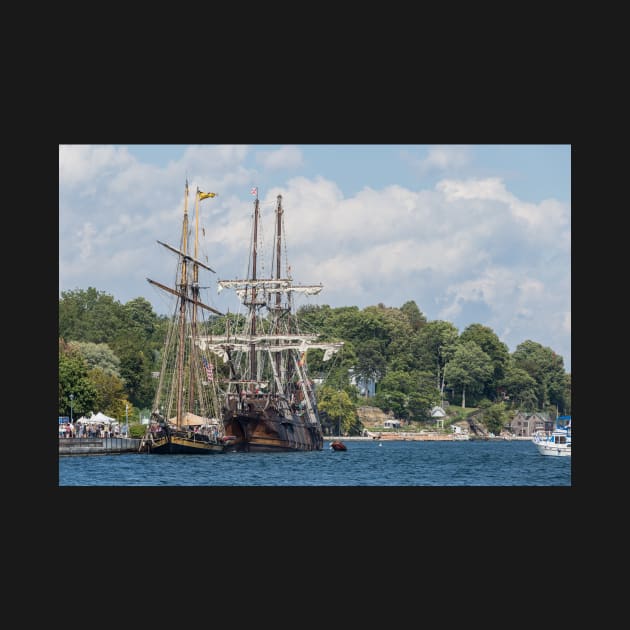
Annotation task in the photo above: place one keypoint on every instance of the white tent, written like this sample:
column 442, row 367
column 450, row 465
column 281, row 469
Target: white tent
column 98, row 418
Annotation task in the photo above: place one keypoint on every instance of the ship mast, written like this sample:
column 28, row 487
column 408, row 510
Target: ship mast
column 193, row 379
column 183, row 287
column 187, row 292
column 252, row 306
column 280, row 341
column 278, row 357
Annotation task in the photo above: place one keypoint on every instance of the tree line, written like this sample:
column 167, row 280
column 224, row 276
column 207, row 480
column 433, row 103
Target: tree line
column 108, row 353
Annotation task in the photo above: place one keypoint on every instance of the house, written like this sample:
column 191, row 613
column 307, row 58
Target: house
column 391, row 424
column 367, row 386
column 526, row 424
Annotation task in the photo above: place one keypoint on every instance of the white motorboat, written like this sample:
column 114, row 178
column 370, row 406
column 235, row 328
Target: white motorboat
column 558, row 442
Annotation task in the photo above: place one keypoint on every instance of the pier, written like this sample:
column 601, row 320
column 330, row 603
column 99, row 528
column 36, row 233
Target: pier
column 98, row 446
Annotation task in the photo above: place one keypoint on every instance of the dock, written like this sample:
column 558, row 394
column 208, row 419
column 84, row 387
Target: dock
column 98, row 446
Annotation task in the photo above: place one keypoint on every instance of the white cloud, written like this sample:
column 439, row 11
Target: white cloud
column 209, row 158
column 491, row 188
column 467, row 249
column 79, row 164
column 288, row 156
column 440, row 158
column 444, row 157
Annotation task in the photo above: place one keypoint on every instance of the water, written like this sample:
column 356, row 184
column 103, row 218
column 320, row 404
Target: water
column 365, row 463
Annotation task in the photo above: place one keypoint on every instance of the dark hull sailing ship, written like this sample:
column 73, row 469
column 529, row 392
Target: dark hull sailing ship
column 269, row 403
column 186, row 408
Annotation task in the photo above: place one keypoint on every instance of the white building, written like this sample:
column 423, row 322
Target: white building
column 437, row 413
column 391, row 424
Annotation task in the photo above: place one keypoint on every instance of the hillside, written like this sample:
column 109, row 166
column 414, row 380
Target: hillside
column 373, row 416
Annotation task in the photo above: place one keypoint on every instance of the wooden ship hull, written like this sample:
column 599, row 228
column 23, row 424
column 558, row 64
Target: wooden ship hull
column 268, row 430
column 182, row 443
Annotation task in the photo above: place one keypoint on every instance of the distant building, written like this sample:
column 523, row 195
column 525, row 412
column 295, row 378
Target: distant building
column 391, row 424
column 367, row 386
column 438, row 414
column 526, row 424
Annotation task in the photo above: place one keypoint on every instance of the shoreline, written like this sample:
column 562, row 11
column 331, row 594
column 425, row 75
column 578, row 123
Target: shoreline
column 109, row 446
column 422, row 437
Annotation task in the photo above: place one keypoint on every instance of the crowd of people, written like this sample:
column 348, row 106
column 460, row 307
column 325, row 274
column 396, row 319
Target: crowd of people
column 89, row 430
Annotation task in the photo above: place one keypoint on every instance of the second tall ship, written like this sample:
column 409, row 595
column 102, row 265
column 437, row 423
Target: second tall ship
column 186, row 408
column 269, row 402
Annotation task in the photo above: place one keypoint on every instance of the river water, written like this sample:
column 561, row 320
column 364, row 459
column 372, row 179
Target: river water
column 365, row 463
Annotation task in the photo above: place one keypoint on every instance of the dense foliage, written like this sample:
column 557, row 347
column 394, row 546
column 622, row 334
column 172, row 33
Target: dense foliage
column 108, row 352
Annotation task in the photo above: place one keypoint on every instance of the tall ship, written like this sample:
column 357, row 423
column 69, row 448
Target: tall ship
column 269, row 402
column 187, row 407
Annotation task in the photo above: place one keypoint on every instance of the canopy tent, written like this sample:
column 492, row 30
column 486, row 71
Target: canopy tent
column 192, row 420
column 98, row 418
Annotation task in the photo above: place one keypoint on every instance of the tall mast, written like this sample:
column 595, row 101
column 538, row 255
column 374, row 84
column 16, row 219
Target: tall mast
column 278, row 273
column 192, row 380
column 183, row 287
column 252, row 348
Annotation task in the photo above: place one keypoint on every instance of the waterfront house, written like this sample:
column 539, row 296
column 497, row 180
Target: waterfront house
column 526, row 424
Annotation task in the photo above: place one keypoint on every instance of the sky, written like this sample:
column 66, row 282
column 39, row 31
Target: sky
column 470, row 233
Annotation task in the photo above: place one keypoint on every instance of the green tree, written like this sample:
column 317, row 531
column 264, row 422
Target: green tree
column 98, row 355
column 409, row 395
column 518, row 386
column 74, row 380
column 139, row 313
column 469, row 369
column 392, row 400
column 433, row 347
column 135, row 370
column 546, row 368
column 494, row 416
column 110, row 393
column 370, row 360
column 415, row 316
column 393, row 329
column 339, row 408
column 566, row 409
column 89, row 315
column 498, row 352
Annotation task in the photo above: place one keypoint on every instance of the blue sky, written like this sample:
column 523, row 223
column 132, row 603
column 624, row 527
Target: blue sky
column 471, row 233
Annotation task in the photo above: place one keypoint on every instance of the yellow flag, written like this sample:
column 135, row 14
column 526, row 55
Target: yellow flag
column 203, row 195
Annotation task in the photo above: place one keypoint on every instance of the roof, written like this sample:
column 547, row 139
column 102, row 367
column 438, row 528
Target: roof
column 99, row 417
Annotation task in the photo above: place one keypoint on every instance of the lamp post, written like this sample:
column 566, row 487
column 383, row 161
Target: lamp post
column 126, row 420
column 71, row 399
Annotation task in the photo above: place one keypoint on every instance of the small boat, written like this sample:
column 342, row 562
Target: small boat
column 337, row 445
column 558, row 442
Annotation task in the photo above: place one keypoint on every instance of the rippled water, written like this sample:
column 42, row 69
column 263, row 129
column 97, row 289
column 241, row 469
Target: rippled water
column 365, row 463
